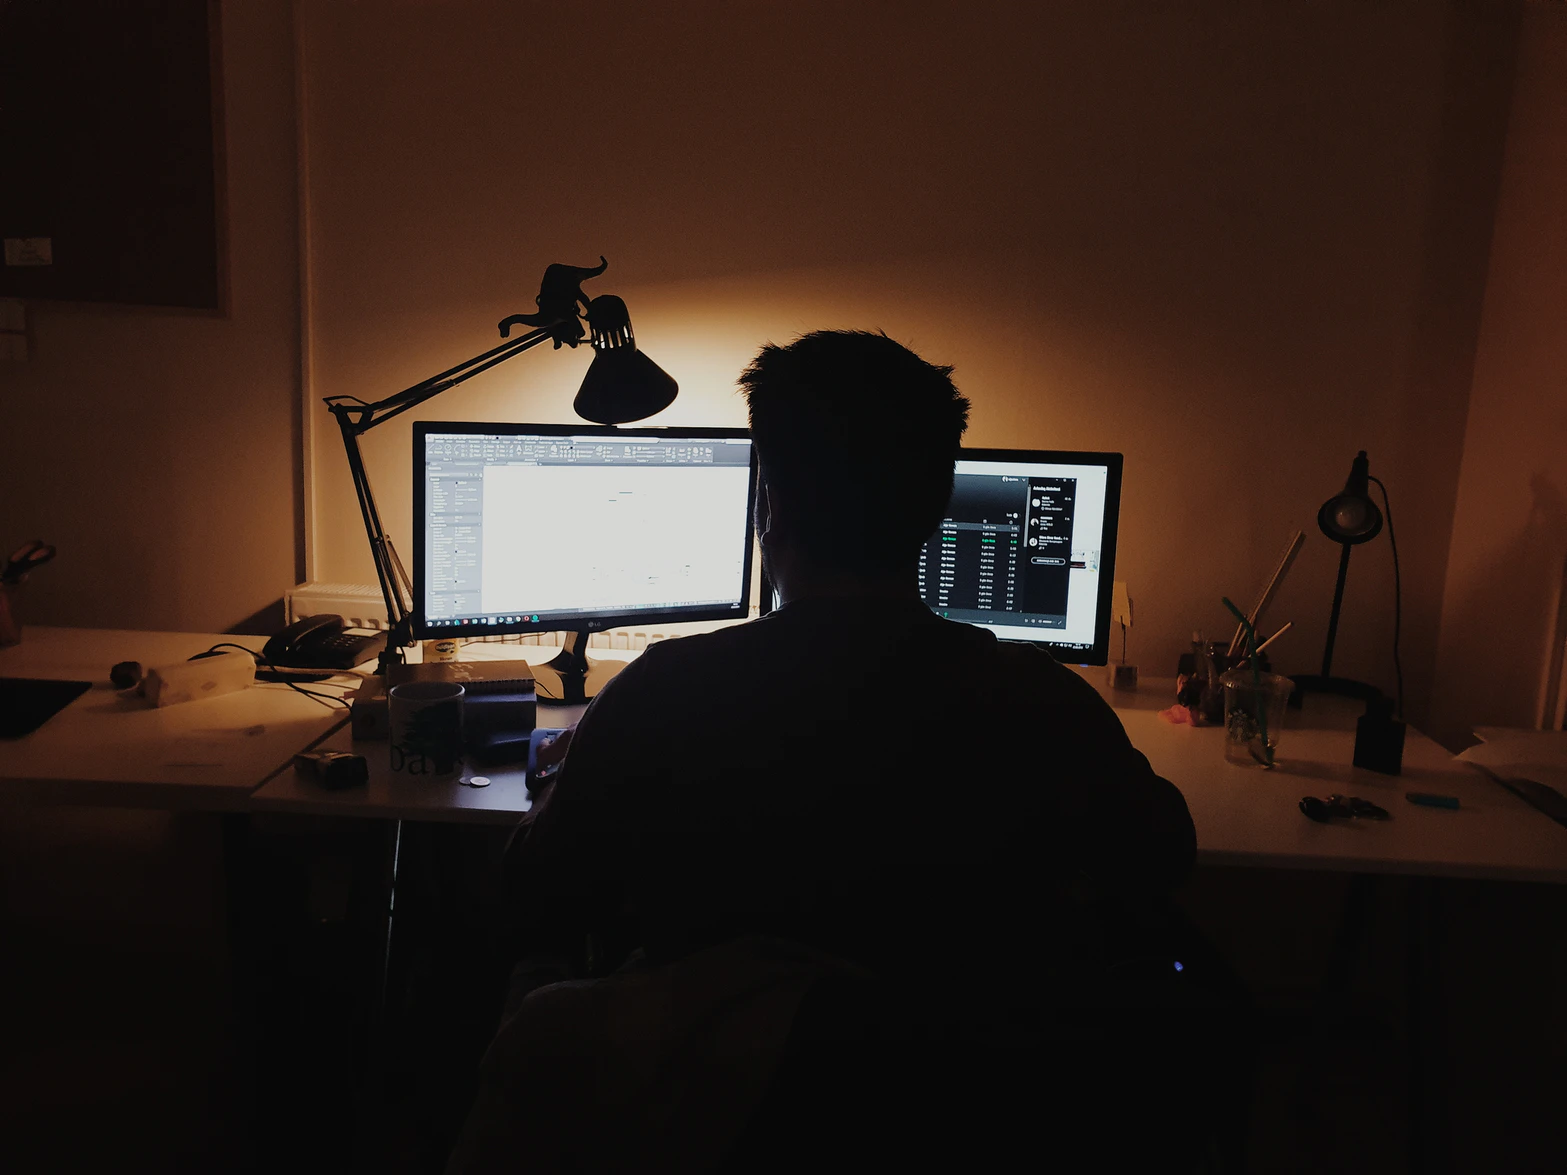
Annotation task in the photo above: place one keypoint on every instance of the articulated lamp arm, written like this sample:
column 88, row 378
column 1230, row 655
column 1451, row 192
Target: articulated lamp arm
column 622, row 385
column 355, row 417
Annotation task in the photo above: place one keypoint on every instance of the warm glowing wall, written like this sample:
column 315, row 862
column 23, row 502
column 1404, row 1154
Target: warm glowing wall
column 1510, row 531
column 158, row 449
column 1236, row 242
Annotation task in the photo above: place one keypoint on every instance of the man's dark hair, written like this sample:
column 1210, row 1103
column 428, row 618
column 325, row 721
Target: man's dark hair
column 856, row 435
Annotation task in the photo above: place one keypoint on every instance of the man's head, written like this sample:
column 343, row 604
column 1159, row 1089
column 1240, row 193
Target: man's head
column 856, row 436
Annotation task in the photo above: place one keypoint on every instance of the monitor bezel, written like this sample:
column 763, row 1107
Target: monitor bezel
column 1112, row 462
column 592, row 622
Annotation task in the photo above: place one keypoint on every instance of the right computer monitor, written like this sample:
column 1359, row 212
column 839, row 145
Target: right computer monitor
column 1027, row 548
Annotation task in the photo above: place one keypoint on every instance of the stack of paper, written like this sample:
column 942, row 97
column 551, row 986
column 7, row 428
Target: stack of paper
column 1532, row 763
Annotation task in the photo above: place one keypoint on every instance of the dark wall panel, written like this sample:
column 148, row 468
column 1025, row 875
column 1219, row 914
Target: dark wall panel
column 112, row 169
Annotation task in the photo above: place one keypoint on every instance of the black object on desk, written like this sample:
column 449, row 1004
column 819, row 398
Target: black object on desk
column 333, row 770
column 321, row 642
column 1343, row 807
column 498, row 727
column 26, row 703
column 1379, row 739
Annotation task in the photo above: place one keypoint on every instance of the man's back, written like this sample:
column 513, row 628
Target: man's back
column 873, row 781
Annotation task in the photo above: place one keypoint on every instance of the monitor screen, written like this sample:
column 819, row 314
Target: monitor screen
column 1027, row 548
column 530, row 528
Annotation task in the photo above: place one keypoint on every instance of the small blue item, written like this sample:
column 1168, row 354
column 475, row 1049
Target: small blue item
column 1429, row 800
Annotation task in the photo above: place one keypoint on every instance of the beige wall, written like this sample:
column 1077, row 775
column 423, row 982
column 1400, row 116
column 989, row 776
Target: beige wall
column 1509, row 541
column 158, row 449
column 1236, row 242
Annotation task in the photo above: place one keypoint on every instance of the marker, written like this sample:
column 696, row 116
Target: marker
column 1427, row 800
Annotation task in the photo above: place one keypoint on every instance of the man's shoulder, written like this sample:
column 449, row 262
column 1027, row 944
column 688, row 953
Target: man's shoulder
column 674, row 657
column 956, row 652
column 733, row 640
column 1031, row 667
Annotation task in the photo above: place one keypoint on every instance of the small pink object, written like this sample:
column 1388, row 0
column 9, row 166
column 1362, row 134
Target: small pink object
column 1179, row 715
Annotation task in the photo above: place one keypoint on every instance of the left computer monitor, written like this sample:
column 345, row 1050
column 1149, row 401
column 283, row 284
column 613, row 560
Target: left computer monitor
column 541, row 528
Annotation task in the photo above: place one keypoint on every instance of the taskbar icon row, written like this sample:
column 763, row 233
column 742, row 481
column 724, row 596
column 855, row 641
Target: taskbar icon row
column 484, row 621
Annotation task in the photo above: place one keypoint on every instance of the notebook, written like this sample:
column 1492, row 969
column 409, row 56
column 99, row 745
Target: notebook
column 26, row 703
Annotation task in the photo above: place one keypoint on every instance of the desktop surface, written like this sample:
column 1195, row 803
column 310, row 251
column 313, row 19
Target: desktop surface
column 1249, row 816
column 107, row 749
column 1244, row 816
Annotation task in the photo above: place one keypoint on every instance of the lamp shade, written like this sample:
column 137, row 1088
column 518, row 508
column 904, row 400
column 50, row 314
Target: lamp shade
column 622, row 383
column 1350, row 516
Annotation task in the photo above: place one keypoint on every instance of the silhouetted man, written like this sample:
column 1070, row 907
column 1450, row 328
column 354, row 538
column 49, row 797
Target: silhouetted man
column 851, row 773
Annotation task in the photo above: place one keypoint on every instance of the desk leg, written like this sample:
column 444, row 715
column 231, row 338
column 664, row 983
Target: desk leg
column 1425, row 923
column 387, row 914
column 1348, row 950
column 380, row 865
column 240, row 920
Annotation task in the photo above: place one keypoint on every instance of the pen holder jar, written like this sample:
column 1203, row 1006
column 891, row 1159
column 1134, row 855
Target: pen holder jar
column 1253, row 715
column 1199, row 689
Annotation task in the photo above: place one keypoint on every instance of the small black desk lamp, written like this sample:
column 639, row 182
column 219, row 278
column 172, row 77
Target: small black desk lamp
column 622, row 384
column 1349, row 518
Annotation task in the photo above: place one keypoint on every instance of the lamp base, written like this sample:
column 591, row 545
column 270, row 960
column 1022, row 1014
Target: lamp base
column 1339, row 687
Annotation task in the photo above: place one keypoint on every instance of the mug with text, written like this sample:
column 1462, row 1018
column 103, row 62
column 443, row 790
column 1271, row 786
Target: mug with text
column 426, row 726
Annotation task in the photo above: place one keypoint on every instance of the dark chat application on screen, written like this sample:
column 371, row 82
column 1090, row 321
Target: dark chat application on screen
column 1027, row 548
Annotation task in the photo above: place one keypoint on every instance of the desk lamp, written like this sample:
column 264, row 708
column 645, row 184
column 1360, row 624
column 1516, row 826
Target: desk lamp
column 1349, row 518
column 622, row 384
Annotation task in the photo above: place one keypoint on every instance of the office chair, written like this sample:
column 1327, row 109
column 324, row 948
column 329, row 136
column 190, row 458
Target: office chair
column 1128, row 1069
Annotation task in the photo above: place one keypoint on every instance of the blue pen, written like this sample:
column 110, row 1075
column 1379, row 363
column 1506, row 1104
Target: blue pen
column 1427, row 800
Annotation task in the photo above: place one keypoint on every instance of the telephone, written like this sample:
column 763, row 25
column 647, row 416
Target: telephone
column 320, row 642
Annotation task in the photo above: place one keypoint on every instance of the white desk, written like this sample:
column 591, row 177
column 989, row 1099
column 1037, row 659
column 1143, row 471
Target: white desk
column 1244, row 816
column 104, row 749
column 393, row 797
column 1248, row 816
column 388, row 796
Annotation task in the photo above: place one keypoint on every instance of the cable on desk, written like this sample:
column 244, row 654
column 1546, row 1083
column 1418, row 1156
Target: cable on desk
column 1398, row 596
column 327, row 700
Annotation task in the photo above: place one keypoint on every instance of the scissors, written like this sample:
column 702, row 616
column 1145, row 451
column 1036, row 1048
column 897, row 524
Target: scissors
column 24, row 559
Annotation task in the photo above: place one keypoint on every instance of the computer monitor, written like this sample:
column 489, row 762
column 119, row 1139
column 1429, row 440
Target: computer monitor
column 1027, row 549
column 540, row 528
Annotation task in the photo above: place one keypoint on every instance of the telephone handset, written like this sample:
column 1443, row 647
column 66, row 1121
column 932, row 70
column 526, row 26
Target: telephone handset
column 320, row 642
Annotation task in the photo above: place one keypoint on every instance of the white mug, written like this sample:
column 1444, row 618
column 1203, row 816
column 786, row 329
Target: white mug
column 426, row 725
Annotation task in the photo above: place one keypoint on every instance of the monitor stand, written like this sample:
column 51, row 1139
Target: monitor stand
column 571, row 677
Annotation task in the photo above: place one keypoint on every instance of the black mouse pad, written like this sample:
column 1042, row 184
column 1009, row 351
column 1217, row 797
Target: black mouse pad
column 26, row 703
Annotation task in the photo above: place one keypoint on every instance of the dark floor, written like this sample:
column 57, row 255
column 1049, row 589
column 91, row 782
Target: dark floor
column 130, row 1047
